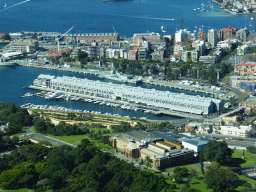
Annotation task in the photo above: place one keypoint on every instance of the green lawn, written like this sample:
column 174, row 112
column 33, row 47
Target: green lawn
column 33, row 129
column 189, row 166
column 100, row 129
column 198, row 183
column 102, row 146
column 245, row 179
column 237, row 158
column 72, row 139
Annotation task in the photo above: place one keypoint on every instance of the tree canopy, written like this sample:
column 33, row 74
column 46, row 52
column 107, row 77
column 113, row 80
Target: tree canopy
column 220, row 179
column 68, row 169
column 218, row 151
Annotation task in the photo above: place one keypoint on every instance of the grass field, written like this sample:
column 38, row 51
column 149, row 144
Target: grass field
column 237, row 158
column 72, row 139
column 246, row 179
column 189, row 166
column 100, row 129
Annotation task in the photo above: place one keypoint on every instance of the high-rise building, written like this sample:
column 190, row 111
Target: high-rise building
column 182, row 35
column 212, row 37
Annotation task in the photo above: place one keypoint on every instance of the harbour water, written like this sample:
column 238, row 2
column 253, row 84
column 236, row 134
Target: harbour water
column 13, row 79
column 127, row 17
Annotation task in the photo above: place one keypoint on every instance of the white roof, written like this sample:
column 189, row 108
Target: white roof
column 242, row 128
column 11, row 54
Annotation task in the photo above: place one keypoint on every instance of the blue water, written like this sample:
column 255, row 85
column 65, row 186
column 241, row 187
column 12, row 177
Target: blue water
column 128, row 17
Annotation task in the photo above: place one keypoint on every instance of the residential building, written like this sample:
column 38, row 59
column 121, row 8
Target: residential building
column 179, row 47
column 242, row 50
column 114, row 53
column 96, row 51
column 182, row 35
column 208, row 59
column 115, row 44
column 152, row 38
column 201, row 35
column 250, row 102
column 157, row 55
column 241, row 131
column 212, row 37
column 132, row 55
column 226, row 33
column 200, row 46
column 142, row 53
column 190, row 54
column 242, row 34
column 28, row 45
column 244, row 69
column 229, row 120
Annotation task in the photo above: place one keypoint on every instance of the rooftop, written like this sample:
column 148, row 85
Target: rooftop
column 196, row 141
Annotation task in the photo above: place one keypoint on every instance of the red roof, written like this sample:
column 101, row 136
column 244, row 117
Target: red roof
column 246, row 64
column 2, row 34
column 228, row 29
column 54, row 55
column 180, row 43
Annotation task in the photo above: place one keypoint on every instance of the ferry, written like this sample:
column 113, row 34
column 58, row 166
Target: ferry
column 163, row 30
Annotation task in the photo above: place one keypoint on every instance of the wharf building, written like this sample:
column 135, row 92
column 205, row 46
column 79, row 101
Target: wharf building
column 94, row 37
column 137, row 95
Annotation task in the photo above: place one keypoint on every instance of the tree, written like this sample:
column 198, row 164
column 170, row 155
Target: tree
column 81, row 55
column 218, row 151
column 6, row 37
column 180, row 174
column 251, row 149
column 148, row 162
column 220, row 179
column 201, row 159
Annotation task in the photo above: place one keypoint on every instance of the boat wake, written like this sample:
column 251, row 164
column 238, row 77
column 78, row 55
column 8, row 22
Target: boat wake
column 13, row 5
column 152, row 18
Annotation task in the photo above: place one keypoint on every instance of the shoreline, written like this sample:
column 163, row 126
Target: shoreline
column 231, row 12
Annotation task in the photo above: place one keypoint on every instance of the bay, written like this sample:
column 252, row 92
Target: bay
column 127, row 17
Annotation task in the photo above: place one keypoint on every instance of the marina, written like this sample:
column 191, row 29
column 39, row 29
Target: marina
column 161, row 102
column 23, row 76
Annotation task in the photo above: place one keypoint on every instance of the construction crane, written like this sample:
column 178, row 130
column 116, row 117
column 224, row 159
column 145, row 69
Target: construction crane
column 58, row 39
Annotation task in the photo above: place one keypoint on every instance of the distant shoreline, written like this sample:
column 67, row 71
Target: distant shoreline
column 214, row 1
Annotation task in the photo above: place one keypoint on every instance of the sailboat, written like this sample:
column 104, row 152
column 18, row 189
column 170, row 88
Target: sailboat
column 5, row 5
column 163, row 30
